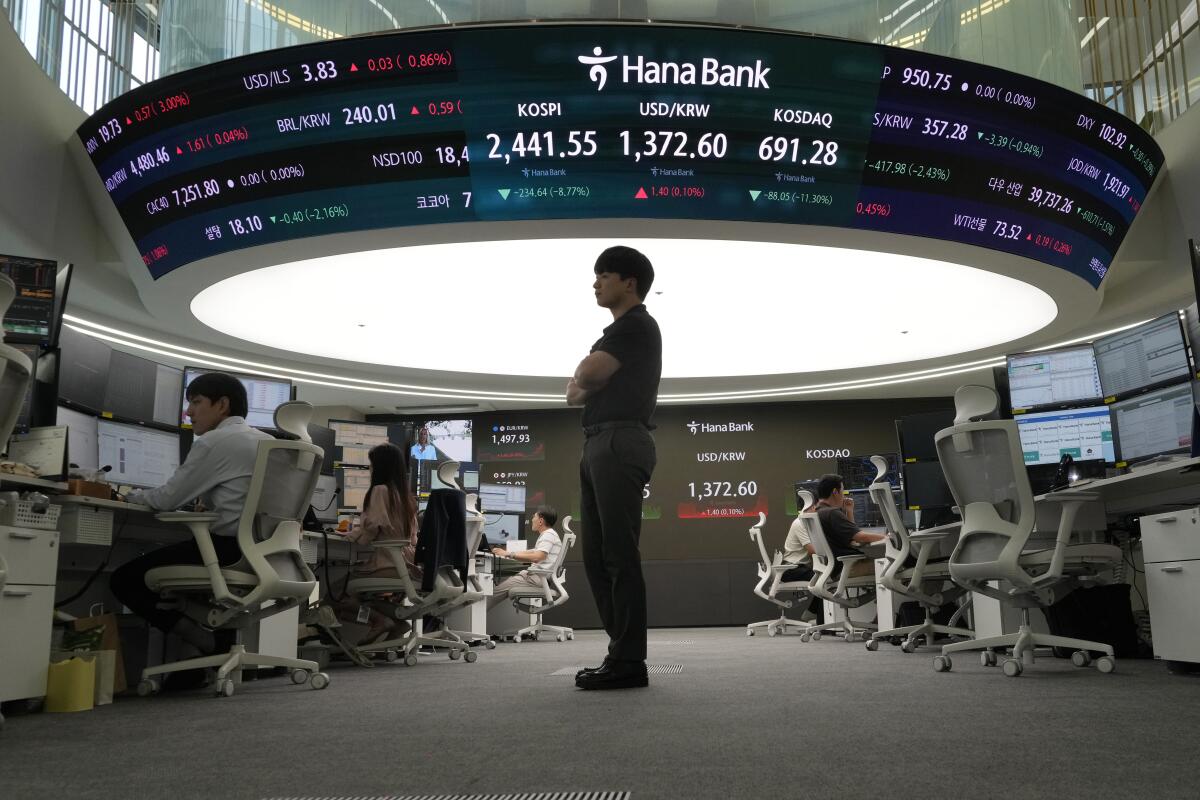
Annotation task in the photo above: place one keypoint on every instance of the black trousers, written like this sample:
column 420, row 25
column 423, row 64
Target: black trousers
column 128, row 581
column 615, row 468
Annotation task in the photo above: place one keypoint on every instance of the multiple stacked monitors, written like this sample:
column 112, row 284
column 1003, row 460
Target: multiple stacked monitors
column 924, row 484
column 859, row 472
column 264, row 395
column 1155, row 423
column 1053, row 377
column 138, row 456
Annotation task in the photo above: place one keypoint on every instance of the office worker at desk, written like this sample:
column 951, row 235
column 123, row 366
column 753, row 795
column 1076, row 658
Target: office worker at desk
column 540, row 558
column 217, row 471
column 835, row 509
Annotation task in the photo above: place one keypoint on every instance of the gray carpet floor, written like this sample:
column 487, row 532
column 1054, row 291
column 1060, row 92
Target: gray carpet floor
column 746, row 717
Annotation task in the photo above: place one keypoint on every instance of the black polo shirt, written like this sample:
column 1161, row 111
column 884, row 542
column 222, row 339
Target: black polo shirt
column 632, row 391
column 839, row 531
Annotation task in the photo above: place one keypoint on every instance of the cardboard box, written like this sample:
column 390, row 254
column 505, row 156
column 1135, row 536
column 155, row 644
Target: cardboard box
column 103, row 491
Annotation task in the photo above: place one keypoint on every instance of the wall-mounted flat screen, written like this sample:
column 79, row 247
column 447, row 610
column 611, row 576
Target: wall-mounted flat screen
column 1153, row 424
column 1085, row 434
column 916, row 431
column 1148, row 355
column 1053, row 377
column 443, row 440
column 925, row 486
column 264, row 395
column 603, row 121
column 130, row 391
column 139, row 456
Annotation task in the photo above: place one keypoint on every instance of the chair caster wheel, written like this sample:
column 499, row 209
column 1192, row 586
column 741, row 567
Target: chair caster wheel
column 805, row 637
column 148, row 687
column 1081, row 658
column 749, row 632
column 470, row 657
column 1012, row 668
column 987, row 658
column 872, row 645
column 561, row 638
column 490, row 645
column 225, row 687
column 570, row 636
column 909, row 646
column 1106, row 664
column 410, row 660
column 319, row 680
column 942, row 664
column 299, row 676
column 772, row 632
column 391, row 656
column 816, row 636
column 455, row 655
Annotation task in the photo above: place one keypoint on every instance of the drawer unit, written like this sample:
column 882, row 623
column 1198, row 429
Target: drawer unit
column 1173, row 536
column 1174, row 594
column 31, row 556
column 25, row 622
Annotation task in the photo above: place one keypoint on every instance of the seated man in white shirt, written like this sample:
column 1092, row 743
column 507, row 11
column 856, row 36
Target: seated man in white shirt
column 217, row 471
column 541, row 558
column 798, row 551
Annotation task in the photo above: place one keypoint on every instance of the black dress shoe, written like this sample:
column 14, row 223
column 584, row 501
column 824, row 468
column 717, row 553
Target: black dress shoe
column 615, row 675
column 586, row 670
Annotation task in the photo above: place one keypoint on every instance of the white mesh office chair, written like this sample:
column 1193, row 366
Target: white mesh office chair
column 552, row 595
column 270, row 577
column 848, row 593
column 924, row 582
column 985, row 469
column 16, row 371
column 399, row 598
column 771, row 585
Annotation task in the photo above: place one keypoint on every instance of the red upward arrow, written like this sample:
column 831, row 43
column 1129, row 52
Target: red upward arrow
column 354, row 67
column 641, row 194
column 128, row 121
column 178, row 152
column 414, row 112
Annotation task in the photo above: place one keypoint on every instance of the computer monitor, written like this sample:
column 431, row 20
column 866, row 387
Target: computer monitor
column 452, row 438
column 139, row 456
column 323, row 501
column 131, row 388
column 499, row 529
column 29, row 317
column 501, row 497
column 915, row 434
column 168, row 383
column 1153, row 424
column 62, row 285
column 858, row 471
column 925, row 486
column 1053, row 377
column 1085, row 434
column 83, row 370
column 82, row 431
column 1152, row 354
column 353, row 485
column 349, row 433
column 324, row 438
column 264, row 395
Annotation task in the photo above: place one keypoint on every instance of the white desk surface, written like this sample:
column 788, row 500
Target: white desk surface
column 115, row 505
column 1171, row 483
column 33, row 483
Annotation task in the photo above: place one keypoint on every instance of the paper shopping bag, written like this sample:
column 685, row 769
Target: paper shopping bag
column 110, row 640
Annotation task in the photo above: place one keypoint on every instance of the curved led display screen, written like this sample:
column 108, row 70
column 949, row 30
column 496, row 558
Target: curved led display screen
column 613, row 121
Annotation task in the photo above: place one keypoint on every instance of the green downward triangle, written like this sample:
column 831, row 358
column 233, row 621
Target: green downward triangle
column 979, row 134
column 754, row 193
column 272, row 219
column 504, row 192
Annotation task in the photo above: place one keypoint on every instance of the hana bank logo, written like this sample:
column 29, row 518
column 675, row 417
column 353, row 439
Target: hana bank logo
column 598, row 73
column 692, row 426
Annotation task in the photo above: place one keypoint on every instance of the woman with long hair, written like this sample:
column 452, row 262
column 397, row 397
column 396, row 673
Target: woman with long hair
column 389, row 514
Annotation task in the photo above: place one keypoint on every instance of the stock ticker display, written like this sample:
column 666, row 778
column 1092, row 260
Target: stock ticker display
column 617, row 121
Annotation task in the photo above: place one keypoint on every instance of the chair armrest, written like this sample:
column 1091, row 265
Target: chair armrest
column 395, row 551
column 848, row 559
column 932, row 536
column 1072, row 501
column 198, row 524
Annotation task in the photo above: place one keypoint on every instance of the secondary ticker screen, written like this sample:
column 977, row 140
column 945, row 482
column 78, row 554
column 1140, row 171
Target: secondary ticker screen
column 613, row 121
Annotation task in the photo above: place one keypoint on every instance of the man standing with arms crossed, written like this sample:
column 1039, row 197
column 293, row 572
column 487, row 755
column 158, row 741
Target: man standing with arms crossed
column 617, row 385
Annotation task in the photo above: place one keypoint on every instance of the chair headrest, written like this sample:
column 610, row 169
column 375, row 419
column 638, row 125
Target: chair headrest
column 293, row 418
column 973, row 403
column 806, row 498
column 881, row 468
column 447, row 473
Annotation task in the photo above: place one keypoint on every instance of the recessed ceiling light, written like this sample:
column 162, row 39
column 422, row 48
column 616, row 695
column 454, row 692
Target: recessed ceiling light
column 526, row 307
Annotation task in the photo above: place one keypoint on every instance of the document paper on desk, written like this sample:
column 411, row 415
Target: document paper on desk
column 43, row 449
